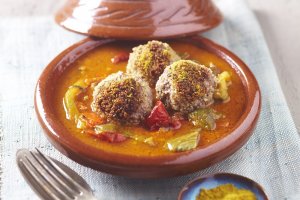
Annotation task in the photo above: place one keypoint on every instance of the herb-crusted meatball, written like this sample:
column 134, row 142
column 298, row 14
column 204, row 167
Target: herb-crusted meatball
column 185, row 86
column 122, row 98
column 149, row 61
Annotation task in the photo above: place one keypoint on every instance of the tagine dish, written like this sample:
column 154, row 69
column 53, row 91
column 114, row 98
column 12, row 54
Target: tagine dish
column 151, row 99
column 147, row 109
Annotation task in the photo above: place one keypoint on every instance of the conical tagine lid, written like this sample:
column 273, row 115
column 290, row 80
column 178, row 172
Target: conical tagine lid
column 139, row 19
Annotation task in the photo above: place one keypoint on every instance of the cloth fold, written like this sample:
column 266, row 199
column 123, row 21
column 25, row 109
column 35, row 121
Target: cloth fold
column 270, row 157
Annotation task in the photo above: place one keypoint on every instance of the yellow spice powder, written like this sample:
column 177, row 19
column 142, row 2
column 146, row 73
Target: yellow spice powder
column 226, row 192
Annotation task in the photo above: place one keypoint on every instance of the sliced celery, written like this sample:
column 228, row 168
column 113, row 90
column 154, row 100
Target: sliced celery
column 185, row 142
column 106, row 128
column 81, row 124
column 72, row 113
column 224, row 80
column 139, row 138
column 204, row 118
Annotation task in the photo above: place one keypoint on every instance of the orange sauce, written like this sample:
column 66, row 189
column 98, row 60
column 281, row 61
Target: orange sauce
column 97, row 63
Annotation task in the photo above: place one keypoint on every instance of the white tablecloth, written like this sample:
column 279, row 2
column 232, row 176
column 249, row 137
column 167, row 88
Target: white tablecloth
column 271, row 156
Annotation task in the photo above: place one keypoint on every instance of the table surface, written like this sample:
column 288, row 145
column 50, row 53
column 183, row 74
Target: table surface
column 279, row 20
column 280, row 30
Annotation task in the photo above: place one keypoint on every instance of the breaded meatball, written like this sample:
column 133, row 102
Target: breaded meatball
column 185, row 86
column 149, row 61
column 122, row 98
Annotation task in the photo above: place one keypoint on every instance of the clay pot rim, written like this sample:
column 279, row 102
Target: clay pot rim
column 69, row 145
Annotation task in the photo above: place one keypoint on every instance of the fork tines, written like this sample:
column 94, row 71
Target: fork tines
column 47, row 178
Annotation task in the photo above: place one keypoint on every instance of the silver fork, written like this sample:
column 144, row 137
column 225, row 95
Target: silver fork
column 51, row 179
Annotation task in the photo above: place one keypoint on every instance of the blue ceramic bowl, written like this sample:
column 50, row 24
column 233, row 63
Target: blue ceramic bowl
column 192, row 189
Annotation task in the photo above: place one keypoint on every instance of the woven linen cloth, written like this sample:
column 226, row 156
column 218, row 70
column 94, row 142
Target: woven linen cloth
column 271, row 156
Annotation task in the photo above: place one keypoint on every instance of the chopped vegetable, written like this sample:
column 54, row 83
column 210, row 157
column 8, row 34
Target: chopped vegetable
column 204, row 118
column 106, row 128
column 159, row 117
column 140, row 138
column 112, row 137
column 69, row 100
column 123, row 56
column 115, row 129
column 224, row 80
column 91, row 119
column 81, row 124
column 149, row 141
column 175, row 123
column 72, row 113
column 109, row 133
column 185, row 142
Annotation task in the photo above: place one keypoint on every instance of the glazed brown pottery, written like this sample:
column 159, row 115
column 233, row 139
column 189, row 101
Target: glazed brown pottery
column 176, row 164
column 142, row 19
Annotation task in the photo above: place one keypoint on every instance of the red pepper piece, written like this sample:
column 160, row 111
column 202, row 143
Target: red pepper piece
column 123, row 56
column 112, row 137
column 159, row 117
column 175, row 123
